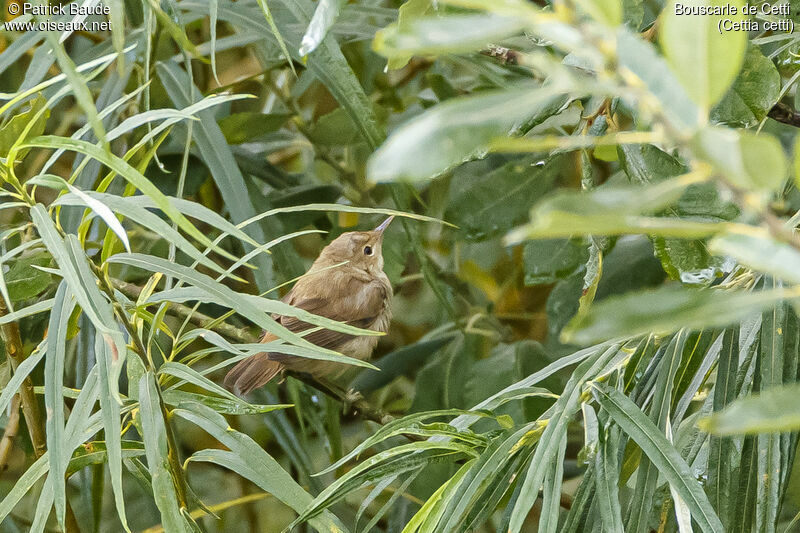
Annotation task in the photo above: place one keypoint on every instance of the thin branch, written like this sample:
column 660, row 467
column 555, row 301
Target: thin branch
column 785, row 114
column 30, row 407
column 9, row 433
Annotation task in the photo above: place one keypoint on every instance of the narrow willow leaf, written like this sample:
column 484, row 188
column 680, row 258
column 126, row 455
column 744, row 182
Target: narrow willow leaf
column 667, row 309
column 720, row 455
column 330, row 67
column 229, row 298
column 394, row 461
column 457, row 131
column 268, row 306
column 705, row 59
column 38, row 307
column 53, row 398
column 497, row 399
column 133, row 176
column 174, row 30
column 325, row 14
column 647, row 476
column 771, row 359
column 275, row 32
column 248, row 459
column 444, row 35
column 663, row 454
column 549, row 443
column 606, row 478
column 192, row 376
column 22, row 372
column 217, row 155
column 398, row 427
column 79, row 88
column 551, row 491
column 22, row 485
column 111, row 413
column 326, row 63
column 225, row 406
column 154, row 434
column 128, row 207
column 117, row 22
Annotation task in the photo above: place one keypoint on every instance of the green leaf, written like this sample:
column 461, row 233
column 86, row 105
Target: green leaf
column 550, row 260
column 24, row 280
column 133, row 176
column 555, row 433
column 612, row 210
column 79, row 88
column 130, row 207
column 444, row 35
column 409, row 11
column 219, row 159
column 330, row 67
column 705, row 59
column 644, row 163
column 224, row 406
column 242, row 127
column 11, row 131
column 108, row 364
column 608, row 12
column 192, row 376
column 755, row 91
column 666, row 309
column 38, row 307
column 53, row 398
column 154, row 435
column 275, row 31
column 689, row 261
column 749, row 161
column 248, row 459
column 773, row 410
column 757, row 249
column 22, row 372
column 457, row 131
column 325, row 15
column 720, row 487
column 641, row 59
column 494, row 204
column 661, row 452
column 607, row 480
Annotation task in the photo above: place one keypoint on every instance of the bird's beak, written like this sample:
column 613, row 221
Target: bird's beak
column 383, row 225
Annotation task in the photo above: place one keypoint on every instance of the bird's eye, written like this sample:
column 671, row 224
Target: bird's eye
column 368, row 250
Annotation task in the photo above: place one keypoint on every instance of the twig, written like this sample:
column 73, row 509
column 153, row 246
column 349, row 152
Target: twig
column 30, row 407
column 785, row 114
column 9, row 433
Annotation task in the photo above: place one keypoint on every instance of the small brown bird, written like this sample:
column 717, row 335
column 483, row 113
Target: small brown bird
column 357, row 293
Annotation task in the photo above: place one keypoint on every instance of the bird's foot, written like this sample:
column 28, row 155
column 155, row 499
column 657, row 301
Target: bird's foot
column 350, row 398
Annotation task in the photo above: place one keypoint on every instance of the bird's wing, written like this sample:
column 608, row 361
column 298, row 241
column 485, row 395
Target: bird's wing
column 361, row 304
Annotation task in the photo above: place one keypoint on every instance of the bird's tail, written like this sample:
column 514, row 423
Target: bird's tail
column 252, row 373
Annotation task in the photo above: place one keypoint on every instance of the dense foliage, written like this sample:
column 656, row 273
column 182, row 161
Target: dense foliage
column 596, row 267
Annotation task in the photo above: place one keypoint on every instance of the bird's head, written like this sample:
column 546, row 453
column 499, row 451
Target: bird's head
column 360, row 249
